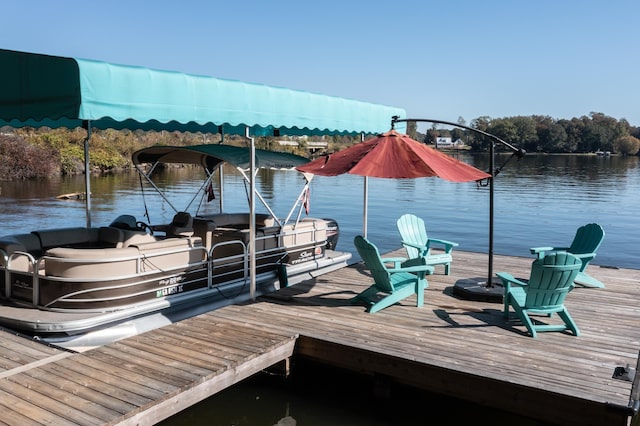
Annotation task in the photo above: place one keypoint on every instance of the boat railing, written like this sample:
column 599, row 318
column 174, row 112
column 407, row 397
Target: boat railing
column 229, row 257
column 27, row 263
column 226, row 259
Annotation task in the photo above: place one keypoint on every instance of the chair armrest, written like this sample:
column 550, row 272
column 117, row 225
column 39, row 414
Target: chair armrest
column 449, row 245
column 418, row 246
column 395, row 260
column 588, row 256
column 424, row 250
column 540, row 251
column 415, row 268
column 419, row 270
column 510, row 279
column 413, row 265
column 585, row 258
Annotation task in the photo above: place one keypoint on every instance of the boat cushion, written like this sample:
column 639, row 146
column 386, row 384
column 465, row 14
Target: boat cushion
column 66, row 237
column 91, row 263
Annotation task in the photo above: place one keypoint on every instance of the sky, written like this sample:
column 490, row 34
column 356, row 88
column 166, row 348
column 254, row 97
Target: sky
column 442, row 60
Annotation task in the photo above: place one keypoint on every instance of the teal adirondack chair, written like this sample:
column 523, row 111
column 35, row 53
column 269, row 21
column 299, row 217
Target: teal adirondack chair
column 584, row 245
column 544, row 293
column 415, row 240
column 391, row 283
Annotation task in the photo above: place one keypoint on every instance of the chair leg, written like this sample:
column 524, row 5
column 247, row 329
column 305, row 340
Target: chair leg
column 527, row 323
column 564, row 314
column 447, row 266
column 421, row 285
column 387, row 301
column 367, row 296
column 505, row 310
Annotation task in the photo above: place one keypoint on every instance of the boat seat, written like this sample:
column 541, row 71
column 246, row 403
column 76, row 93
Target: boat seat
column 132, row 238
column 181, row 225
column 50, row 238
column 170, row 253
column 27, row 243
column 238, row 220
column 91, row 263
column 204, row 228
column 110, row 236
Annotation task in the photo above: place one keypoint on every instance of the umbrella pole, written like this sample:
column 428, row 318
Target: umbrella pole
column 252, row 217
column 365, row 202
column 493, row 175
column 365, row 210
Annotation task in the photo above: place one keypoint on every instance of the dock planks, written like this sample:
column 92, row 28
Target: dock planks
column 451, row 346
column 136, row 381
column 466, row 349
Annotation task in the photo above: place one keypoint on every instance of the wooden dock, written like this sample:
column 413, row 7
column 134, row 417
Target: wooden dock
column 450, row 346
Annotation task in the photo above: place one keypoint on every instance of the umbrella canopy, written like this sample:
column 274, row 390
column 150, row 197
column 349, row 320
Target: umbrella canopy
column 394, row 155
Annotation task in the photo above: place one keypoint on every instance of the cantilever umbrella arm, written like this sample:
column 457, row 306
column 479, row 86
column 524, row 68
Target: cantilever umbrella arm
column 518, row 152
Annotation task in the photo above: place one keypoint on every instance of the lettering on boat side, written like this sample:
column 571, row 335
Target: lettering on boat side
column 173, row 284
column 169, row 291
column 303, row 257
column 22, row 284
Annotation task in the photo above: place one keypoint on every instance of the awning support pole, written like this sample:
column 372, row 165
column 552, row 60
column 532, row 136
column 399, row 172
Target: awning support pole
column 252, row 216
column 87, row 173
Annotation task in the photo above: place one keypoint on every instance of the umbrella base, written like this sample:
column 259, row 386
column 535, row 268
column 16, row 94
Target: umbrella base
column 478, row 290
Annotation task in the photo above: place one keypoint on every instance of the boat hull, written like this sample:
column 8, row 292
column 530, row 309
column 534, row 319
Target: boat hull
column 77, row 281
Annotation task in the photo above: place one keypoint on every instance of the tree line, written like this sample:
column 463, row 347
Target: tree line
column 34, row 153
column 537, row 133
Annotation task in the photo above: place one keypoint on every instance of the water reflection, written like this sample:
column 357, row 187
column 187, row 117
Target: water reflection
column 317, row 395
column 539, row 200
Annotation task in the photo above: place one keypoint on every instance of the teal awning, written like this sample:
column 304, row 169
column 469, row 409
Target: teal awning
column 40, row 90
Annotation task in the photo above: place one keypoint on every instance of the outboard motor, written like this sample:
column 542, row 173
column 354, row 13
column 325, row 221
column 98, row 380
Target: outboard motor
column 333, row 232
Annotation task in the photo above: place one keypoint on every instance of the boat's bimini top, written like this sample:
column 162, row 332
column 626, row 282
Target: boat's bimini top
column 211, row 155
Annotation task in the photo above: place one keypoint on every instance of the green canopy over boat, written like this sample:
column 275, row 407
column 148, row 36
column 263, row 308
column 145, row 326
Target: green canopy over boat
column 210, row 155
column 49, row 91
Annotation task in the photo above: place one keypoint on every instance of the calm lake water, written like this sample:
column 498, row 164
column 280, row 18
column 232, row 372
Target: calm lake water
column 539, row 200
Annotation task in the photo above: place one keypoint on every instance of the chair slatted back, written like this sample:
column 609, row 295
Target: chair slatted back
column 372, row 259
column 551, row 279
column 587, row 239
column 413, row 230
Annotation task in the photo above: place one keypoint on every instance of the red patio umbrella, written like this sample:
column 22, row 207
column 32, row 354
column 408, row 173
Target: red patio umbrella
column 394, row 155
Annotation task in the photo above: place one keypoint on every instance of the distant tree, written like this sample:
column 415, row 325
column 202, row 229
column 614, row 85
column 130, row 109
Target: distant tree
column 432, row 134
column 551, row 135
column 574, row 129
column 412, row 130
column 627, row 145
column 600, row 131
column 504, row 129
column 476, row 141
column 527, row 137
column 458, row 133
